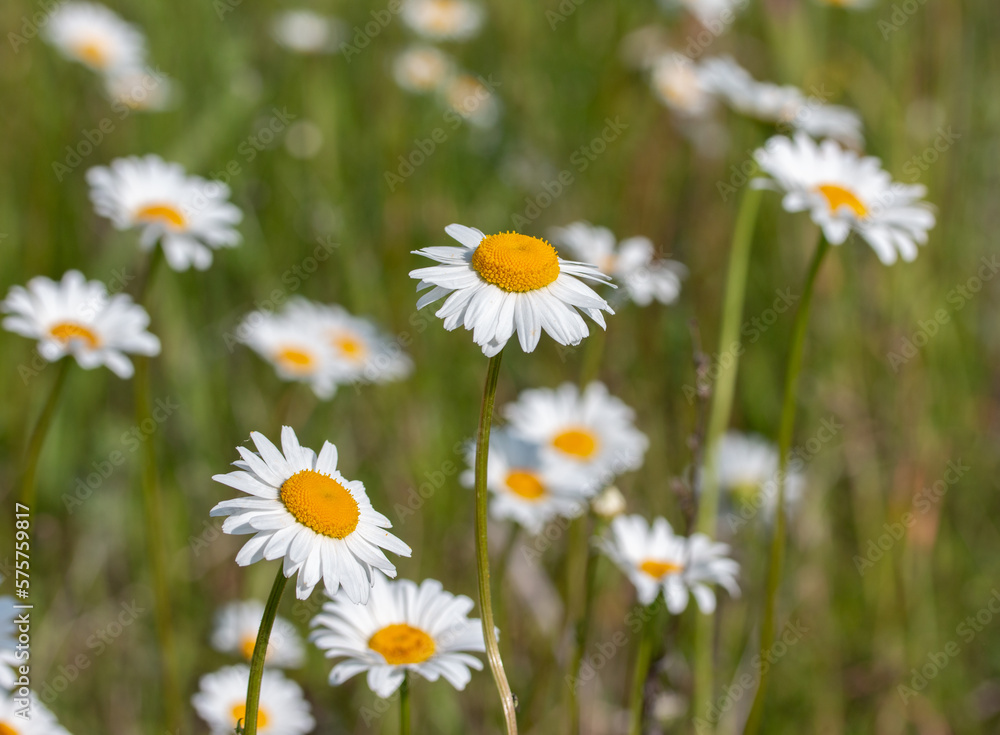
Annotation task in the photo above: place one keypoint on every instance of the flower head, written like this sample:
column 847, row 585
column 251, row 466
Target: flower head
column 443, row 20
column 307, row 32
column 677, row 81
column 37, row 721
column 144, row 89
column 472, row 99
column 221, row 702
column 421, row 68
column 235, row 632
column 95, row 36
column 748, row 473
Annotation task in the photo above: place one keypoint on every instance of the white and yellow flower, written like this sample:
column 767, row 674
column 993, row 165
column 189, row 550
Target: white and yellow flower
column 188, row 215
column 678, row 84
column 145, row 89
column 221, row 702
column 844, row 192
column 421, row 68
column 8, row 641
column 77, row 317
column 307, row 32
column 403, row 627
column 300, row 509
column 39, row 720
column 507, row 283
column 473, row 100
column 235, row 632
column 747, row 467
column 95, row 36
column 443, row 20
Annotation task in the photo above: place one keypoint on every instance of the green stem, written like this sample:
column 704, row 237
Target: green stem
column 785, row 432
column 482, row 550
column 404, row 705
column 722, row 404
column 593, row 353
column 38, row 435
column 260, row 652
column 580, row 639
column 637, row 702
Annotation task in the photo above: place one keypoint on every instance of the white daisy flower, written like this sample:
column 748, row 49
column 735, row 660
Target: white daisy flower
column 593, row 433
column 95, row 36
column 40, row 721
column 144, row 89
column 301, row 509
column 629, row 262
column 747, row 466
column 403, row 627
column 508, row 282
column 656, row 560
column 677, row 82
column 422, row 68
column 8, row 640
column 221, row 702
column 235, row 632
column 473, row 100
column 527, row 489
column 610, row 503
column 307, row 32
column 844, row 192
column 77, row 317
column 443, row 20
column 188, row 215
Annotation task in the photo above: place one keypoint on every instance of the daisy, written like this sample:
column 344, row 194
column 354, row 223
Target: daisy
column 630, row 262
column 77, row 317
column 307, row 32
column 403, row 627
column 748, row 473
column 443, row 20
column 95, row 36
column 526, row 489
column 422, row 68
column 189, row 215
column 301, row 509
column 40, row 721
column 844, row 192
column 610, row 503
column 509, row 282
column 8, row 640
column 593, row 432
column 221, row 702
column 656, row 560
column 146, row 89
column 473, row 100
column 235, row 632
column 677, row 82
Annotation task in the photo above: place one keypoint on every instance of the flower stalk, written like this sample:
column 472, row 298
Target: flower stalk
column 260, row 652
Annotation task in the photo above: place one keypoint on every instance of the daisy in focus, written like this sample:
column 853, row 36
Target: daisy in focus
column 629, row 262
column 422, row 69
column 306, row 32
column 77, row 317
column 748, row 473
column 443, row 20
column 95, row 36
column 235, row 632
column 591, row 433
column 844, row 192
column 39, row 720
column 507, row 283
column 300, row 509
column 8, row 639
column 189, row 216
column 221, row 702
column 655, row 560
column 403, row 627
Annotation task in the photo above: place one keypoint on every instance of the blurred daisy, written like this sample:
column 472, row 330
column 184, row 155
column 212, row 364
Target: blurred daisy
column 422, row 68
column 403, row 627
column 77, row 317
column 509, row 282
column 708, row 12
column 677, row 82
column 139, row 89
column 645, row 46
column 188, row 215
column 443, row 20
column 8, row 641
column 844, row 192
column 221, row 702
column 38, row 722
column 630, row 262
column 96, row 36
column 526, row 489
column 307, row 32
column 748, row 473
column 473, row 100
column 235, row 632
column 301, row 509
column 656, row 560
column 610, row 503
column 592, row 432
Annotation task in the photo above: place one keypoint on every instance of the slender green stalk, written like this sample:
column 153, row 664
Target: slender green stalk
column 260, row 652
column 38, row 435
column 643, row 657
column 580, row 639
column 482, row 550
column 722, row 404
column 784, row 445
column 404, row 705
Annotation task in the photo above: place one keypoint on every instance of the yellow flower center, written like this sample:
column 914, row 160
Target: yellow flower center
column 240, row 713
column 838, row 196
column 164, row 214
column 93, row 52
column 349, row 346
column 442, row 15
column 6, row 729
column 321, row 503
column 402, row 644
column 577, row 442
column 525, row 484
column 295, row 361
column 659, row 569
column 247, row 645
column 67, row 332
column 516, row 263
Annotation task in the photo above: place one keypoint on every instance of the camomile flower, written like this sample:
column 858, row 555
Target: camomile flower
column 505, row 283
column 403, row 627
column 421, row 68
column 844, row 192
column 443, row 20
column 526, row 489
column 302, row 510
column 8, row 640
column 221, row 702
column 629, row 262
column 188, row 215
column 95, row 36
column 307, row 32
column 472, row 99
column 656, row 560
column 747, row 466
column 677, row 82
column 144, row 89
column 235, row 631
column 593, row 432
column 77, row 317
column 40, row 721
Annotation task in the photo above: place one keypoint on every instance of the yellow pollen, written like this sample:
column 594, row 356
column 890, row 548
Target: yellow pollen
column 659, row 569
column 525, row 484
column 402, row 644
column 349, row 346
column 67, row 332
column 295, row 361
column 838, row 196
column 321, row 503
column 247, row 645
column 6, row 729
column 516, row 263
column 164, row 214
column 93, row 52
column 240, row 713
column 578, row 442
